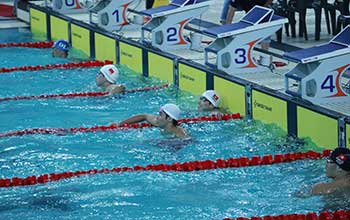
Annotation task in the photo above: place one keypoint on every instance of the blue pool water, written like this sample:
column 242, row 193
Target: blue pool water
column 23, row 56
column 15, row 35
column 213, row 194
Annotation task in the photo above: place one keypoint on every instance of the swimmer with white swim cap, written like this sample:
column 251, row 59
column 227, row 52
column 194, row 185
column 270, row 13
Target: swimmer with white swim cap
column 166, row 120
column 106, row 79
column 60, row 49
column 210, row 102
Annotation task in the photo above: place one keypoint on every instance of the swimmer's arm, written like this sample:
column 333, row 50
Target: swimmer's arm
column 140, row 118
column 323, row 188
column 115, row 89
column 182, row 134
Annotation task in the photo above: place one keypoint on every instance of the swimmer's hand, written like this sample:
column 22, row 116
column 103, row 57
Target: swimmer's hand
column 304, row 192
column 115, row 89
column 218, row 114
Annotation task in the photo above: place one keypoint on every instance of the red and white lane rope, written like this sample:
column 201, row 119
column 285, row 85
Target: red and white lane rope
column 83, row 64
column 337, row 215
column 112, row 127
column 44, row 44
column 80, row 94
column 175, row 167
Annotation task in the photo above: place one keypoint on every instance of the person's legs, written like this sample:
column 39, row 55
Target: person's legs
column 230, row 14
column 265, row 60
column 149, row 4
column 224, row 11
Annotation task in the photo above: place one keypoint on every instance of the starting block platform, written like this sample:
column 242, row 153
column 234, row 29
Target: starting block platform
column 68, row 6
column 111, row 14
column 166, row 25
column 322, row 73
column 233, row 43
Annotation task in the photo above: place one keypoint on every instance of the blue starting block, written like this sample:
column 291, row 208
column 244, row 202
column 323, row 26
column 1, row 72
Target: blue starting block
column 111, row 14
column 321, row 75
column 68, row 6
column 166, row 25
column 233, row 43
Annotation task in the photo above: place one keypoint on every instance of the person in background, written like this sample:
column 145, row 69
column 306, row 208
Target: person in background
column 245, row 5
column 209, row 102
column 60, row 49
column 338, row 169
column 166, row 120
column 106, row 79
column 149, row 4
column 224, row 11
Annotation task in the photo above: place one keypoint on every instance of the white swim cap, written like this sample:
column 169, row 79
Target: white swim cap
column 212, row 97
column 110, row 72
column 172, row 110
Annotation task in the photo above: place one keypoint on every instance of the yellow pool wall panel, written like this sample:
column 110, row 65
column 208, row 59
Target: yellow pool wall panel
column 232, row 95
column 158, row 3
column 323, row 130
column 59, row 28
column 269, row 109
column 131, row 56
column 191, row 79
column 81, row 38
column 160, row 67
column 105, row 48
column 38, row 23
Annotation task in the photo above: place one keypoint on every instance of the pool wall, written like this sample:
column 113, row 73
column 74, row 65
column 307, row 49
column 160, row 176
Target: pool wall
column 326, row 128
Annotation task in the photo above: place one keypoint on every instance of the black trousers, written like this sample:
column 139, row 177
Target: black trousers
column 149, row 4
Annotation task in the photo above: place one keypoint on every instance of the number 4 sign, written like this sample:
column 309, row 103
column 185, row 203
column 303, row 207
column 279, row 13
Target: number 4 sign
column 332, row 84
column 322, row 86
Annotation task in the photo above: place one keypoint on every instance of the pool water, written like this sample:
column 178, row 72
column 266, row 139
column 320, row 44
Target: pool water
column 212, row 194
column 22, row 56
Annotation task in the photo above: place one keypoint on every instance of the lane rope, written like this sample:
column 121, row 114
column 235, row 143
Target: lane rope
column 83, row 64
column 80, row 94
column 43, row 44
column 336, row 215
column 112, row 127
column 175, row 167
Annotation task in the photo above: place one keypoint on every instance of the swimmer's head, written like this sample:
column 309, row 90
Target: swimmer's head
column 341, row 157
column 110, row 72
column 209, row 101
column 168, row 113
column 172, row 110
column 60, row 48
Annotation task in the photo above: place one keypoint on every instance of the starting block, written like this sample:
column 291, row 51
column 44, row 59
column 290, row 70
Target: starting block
column 322, row 73
column 111, row 14
column 68, row 6
column 234, row 43
column 167, row 23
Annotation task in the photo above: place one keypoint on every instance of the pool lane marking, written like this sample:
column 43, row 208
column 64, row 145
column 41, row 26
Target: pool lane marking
column 325, row 215
column 83, row 64
column 174, row 167
column 80, row 94
column 42, row 44
column 112, row 127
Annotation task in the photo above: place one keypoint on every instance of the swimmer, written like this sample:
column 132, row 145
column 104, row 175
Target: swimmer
column 338, row 169
column 107, row 78
column 166, row 120
column 60, row 49
column 209, row 102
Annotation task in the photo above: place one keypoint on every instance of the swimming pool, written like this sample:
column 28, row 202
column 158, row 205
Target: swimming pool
column 212, row 194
